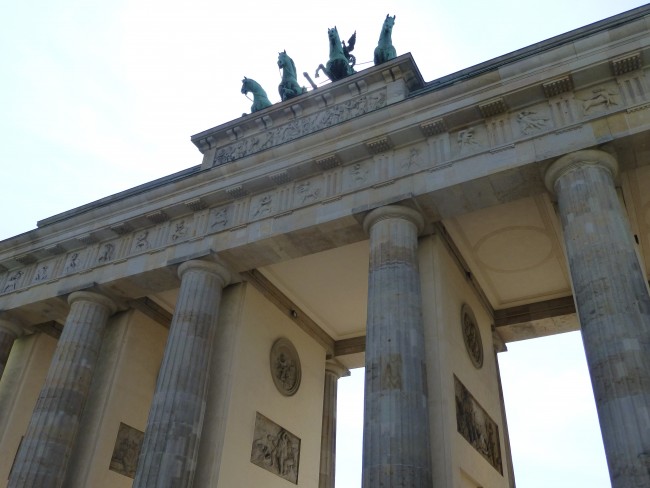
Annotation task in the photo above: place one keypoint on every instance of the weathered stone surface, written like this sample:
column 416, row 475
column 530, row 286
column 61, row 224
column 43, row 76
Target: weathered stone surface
column 396, row 424
column 333, row 371
column 43, row 456
column 170, row 447
column 9, row 331
column 613, row 305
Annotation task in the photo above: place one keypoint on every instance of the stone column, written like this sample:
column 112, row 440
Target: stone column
column 333, row 371
column 613, row 304
column 43, row 456
column 396, row 424
column 171, row 442
column 9, row 331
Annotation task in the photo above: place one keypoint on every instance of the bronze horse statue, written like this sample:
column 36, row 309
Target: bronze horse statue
column 289, row 86
column 260, row 99
column 341, row 62
column 385, row 50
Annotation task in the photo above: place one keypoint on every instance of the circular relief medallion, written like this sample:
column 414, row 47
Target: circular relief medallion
column 285, row 366
column 472, row 336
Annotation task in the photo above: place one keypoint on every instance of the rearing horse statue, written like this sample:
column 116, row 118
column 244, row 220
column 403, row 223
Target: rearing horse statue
column 385, row 49
column 260, row 99
column 289, row 86
column 341, row 62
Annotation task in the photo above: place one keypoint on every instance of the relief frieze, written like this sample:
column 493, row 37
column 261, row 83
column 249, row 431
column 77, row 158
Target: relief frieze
column 301, row 127
column 275, row 449
column 476, row 426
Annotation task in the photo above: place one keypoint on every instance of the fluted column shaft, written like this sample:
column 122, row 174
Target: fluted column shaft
column 9, row 331
column 43, row 456
column 171, row 442
column 613, row 305
column 333, row 371
column 396, row 450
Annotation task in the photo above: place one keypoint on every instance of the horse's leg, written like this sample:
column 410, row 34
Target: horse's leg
column 320, row 68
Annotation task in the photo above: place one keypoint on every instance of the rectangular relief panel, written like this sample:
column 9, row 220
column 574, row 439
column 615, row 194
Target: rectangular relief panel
column 275, row 449
column 476, row 426
column 127, row 450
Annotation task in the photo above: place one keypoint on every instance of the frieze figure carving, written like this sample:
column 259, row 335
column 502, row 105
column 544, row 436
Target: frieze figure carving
column 476, row 426
column 220, row 219
column 306, row 193
column 42, row 273
column 72, row 263
column 180, row 231
column 289, row 87
column 107, row 253
column 530, row 122
column 385, row 51
column 472, row 336
column 601, row 97
column 414, row 159
column 285, row 367
column 359, row 173
column 127, row 450
column 275, row 449
column 142, row 241
column 263, row 206
column 341, row 62
column 467, row 138
column 260, row 99
column 12, row 282
column 301, row 127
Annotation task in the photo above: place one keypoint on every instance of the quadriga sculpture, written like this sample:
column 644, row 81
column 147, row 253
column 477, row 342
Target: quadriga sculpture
column 341, row 62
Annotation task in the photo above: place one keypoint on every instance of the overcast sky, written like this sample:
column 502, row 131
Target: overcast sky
column 97, row 97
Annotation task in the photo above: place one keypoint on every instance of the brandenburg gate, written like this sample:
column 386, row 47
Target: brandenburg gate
column 190, row 332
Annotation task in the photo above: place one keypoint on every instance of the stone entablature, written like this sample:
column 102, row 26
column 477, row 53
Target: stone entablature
column 526, row 112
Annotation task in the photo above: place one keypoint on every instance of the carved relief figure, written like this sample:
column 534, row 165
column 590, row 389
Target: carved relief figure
column 220, row 218
column 275, row 449
column 127, row 450
column 472, row 337
column 73, row 262
column 529, row 121
column 467, row 138
column 358, row 172
column 414, row 159
column 107, row 253
column 41, row 273
column 476, row 426
column 297, row 128
column 142, row 240
column 285, row 367
column 306, row 192
column 601, row 96
column 180, row 230
column 12, row 282
column 263, row 206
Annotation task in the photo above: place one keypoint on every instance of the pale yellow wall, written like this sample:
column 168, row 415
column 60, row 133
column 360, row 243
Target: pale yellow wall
column 253, row 391
column 444, row 290
column 19, row 388
column 122, row 390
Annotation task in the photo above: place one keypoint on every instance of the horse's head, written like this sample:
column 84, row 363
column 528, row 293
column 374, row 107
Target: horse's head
column 333, row 35
column 282, row 59
column 246, row 85
column 389, row 22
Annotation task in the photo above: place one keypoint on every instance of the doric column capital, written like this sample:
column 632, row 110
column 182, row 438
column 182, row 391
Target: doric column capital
column 88, row 296
column 211, row 267
column 335, row 367
column 393, row 212
column 11, row 327
column 579, row 159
